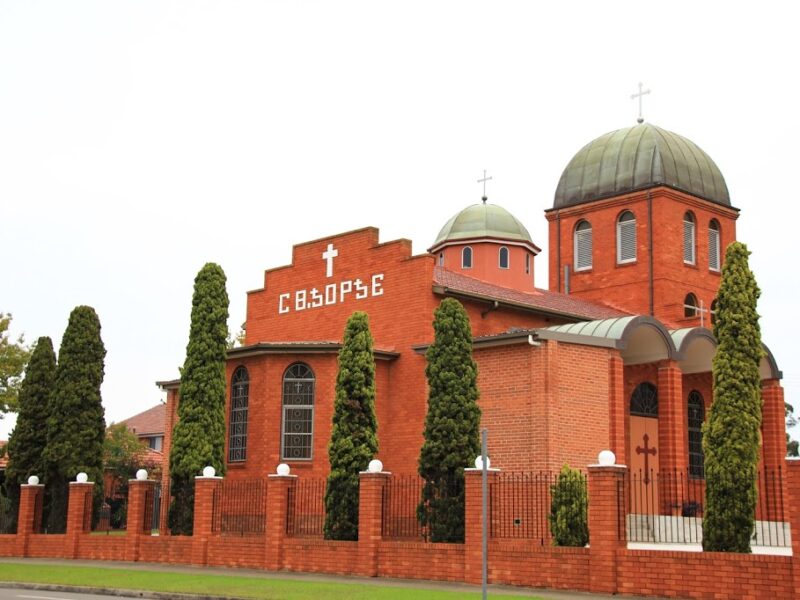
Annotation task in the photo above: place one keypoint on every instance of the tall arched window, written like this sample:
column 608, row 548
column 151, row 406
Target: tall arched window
column 583, row 246
column 713, row 245
column 690, row 306
column 527, row 263
column 688, row 238
column 503, row 257
column 298, row 412
column 644, row 401
column 626, row 238
column 441, row 259
column 697, row 414
column 237, row 428
column 466, row 258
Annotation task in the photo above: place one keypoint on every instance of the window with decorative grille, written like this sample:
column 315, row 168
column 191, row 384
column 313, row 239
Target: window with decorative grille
column 626, row 238
column 688, row 238
column 466, row 258
column 713, row 245
column 503, row 257
column 237, row 432
column 690, row 306
column 298, row 412
column 697, row 414
column 583, row 246
column 644, row 401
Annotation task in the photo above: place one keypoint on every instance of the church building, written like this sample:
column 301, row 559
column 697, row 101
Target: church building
column 616, row 354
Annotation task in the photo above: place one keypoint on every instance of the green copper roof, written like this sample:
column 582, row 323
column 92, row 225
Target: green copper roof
column 638, row 158
column 483, row 221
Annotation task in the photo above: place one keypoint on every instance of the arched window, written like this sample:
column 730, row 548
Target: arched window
column 713, row 245
column 298, row 412
column 503, row 257
column 466, row 258
column 697, row 414
column 237, row 429
column 644, row 401
column 690, row 306
column 441, row 259
column 583, row 246
column 626, row 238
column 688, row 238
column 527, row 264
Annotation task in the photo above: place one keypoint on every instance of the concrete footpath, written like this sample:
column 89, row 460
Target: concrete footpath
column 282, row 575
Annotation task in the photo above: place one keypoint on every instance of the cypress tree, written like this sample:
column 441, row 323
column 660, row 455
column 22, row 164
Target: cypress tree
column 569, row 521
column 76, row 425
column 198, row 439
column 27, row 441
column 732, row 435
column 353, row 440
column 452, row 438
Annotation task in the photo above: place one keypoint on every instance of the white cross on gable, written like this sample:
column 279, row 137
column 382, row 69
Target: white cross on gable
column 328, row 256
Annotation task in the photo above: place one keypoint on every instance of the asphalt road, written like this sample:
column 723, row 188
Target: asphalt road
column 18, row 594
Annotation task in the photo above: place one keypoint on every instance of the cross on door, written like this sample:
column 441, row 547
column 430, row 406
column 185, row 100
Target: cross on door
column 648, row 452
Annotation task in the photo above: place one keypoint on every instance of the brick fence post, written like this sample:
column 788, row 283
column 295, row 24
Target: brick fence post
column 278, row 489
column 606, row 490
column 204, row 488
column 473, row 534
column 29, row 517
column 793, row 493
column 139, row 492
column 79, row 514
column 370, row 520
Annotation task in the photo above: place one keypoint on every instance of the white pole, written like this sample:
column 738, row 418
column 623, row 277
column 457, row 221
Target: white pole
column 484, row 491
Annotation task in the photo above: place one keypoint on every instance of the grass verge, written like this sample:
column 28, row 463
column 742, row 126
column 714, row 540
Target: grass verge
column 218, row 585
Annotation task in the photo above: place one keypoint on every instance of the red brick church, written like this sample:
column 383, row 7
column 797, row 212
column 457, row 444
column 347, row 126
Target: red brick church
column 616, row 354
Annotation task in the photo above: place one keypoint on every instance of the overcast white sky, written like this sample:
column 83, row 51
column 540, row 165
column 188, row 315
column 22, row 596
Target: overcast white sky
column 139, row 140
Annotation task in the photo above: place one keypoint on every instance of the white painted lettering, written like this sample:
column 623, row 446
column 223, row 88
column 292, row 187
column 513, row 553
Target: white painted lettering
column 316, row 298
column 377, row 285
column 300, row 300
column 282, row 308
column 361, row 290
column 345, row 288
column 330, row 294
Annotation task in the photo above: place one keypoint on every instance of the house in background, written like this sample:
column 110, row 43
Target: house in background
column 149, row 426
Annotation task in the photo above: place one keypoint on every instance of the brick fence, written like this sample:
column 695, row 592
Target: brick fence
column 606, row 565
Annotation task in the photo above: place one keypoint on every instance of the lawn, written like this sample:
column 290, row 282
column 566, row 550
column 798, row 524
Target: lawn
column 221, row 585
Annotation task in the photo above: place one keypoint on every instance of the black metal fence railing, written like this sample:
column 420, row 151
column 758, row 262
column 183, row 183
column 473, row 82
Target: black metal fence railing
column 8, row 513
column 668, row 507
column 405, row 517
column 50, row 510
column 305, row 515
column 401, row 496
column 156, row 507
column 240, row 507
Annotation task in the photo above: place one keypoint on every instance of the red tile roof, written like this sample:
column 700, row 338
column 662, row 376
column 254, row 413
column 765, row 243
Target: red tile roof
column 538, row 300
column 150, row 421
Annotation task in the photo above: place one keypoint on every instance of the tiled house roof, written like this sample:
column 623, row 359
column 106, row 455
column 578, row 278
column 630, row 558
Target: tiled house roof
column 149, row 422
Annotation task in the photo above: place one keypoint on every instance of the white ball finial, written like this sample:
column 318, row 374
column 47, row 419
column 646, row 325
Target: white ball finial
column 141, row 475
column 375, row 466
column 283, row 469
column 479, row 462
column 82, row 477
column 606, row 458
column 209, row 471
column 33, row 480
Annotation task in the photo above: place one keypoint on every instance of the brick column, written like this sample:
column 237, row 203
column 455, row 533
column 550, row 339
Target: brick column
column 673, row 434
column 605, row 491
column 79, row 514
column 773, row 424
column 29, row 517
column 138, row 492
column 278, row 488
column 370, row 520
column 617, row 436
column 204, row 488
column 473, row 535
column 793, row 492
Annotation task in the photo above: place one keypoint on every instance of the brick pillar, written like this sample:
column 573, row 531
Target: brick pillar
column 370, row 520
column 278, row 488
column 617, row 436
column 605, row 530
column 79, row 514
column 29, row 517
column 793, row 492
column 138, row 492
column 473, row 535
column 204, row 488
column 773, row 424
column 673, row 434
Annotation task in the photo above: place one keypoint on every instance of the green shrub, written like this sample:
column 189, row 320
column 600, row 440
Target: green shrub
column 568, row 509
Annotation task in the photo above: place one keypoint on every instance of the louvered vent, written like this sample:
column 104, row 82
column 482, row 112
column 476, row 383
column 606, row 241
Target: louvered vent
column 688, row 239
column 713, row 247
column 626, row 238
column 583, row 247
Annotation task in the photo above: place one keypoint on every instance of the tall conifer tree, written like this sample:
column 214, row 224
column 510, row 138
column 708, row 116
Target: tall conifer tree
column 76, row 424
column 27, row 441
column 198, row 439
column 732, row 435
column 452, row 424
column 353, row 440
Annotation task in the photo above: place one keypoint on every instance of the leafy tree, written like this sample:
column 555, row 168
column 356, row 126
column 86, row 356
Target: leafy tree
column 198, row 439
column 13, row 358
column 452, row 438
column 353, row 440
column 27, row 441
column 791, row 421
column 569, row 522
column 732, row 435
column 76, row 425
